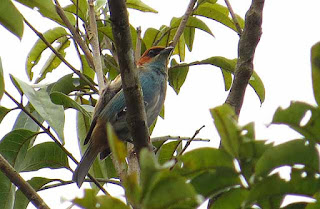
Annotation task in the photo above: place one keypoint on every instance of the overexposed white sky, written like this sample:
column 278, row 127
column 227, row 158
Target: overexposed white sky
column 282, row 60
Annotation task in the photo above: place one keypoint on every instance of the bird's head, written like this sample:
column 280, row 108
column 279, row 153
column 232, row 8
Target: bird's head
column 156, row 55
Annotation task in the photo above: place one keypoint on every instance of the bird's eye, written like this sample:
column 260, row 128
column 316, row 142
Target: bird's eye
column 152, row 53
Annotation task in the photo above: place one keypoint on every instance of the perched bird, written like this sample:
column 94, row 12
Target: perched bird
column 153, row 76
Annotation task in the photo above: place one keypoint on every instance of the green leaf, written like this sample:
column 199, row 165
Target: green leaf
column 107, row 31
column 169, row 190
column 289, row 153
column 37, row 49
column 192, row 22
column 40, row 100
column 14, row 145
column 293, row 116
column 45, row 155
column 250, row 153
column 21, row 201
column 212, row 182
column 139, row 5
column 149, row 168
column 274, row 188
column 3, row 112
column 47, row 9
column 177, row 76
column 11, row 18
column 188, row 35
column 118, row 147
column 150, row 36
column 83, row 8
column 66, row 84
column 2, row 89
column 227, row 128
column 23, row 121
column 91, row 200
column 230, row 65
column 7, row 192
column 227, row 79
column 218, row 13
column 132, row 188
column 53, row 61
column 62, row 99
column 85, row 68
column 203, row 159
column 315, row 64
column 237, row 195
column 166, row 151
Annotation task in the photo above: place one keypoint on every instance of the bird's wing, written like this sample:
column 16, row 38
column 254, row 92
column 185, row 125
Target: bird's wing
column 107, row 94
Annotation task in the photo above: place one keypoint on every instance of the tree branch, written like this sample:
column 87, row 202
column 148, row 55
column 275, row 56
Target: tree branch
column 183, row 23
column 24, row 186
column 60, row 56
column 75, row 35
column 95, row 46
column 234, row 17
column 136, row 116
column 246, row 49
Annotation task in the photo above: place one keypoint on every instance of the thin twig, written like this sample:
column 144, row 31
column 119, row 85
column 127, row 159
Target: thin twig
column 95, row 46
column 64, row 183
column 48, row 132
column 247, row 45
column 185, row 147
column 177, row 138
column 75, row 34
column 183, row 22
column 234, row 17
column 40, row 35
column 24, row 186
column 137, row 53
column 190, row 140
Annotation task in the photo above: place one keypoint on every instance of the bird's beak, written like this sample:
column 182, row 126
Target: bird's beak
column 167, row 51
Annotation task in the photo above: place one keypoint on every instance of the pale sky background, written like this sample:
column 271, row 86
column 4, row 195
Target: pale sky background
column 282, row 60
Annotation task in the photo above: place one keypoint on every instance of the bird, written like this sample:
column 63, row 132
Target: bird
column 153, row 75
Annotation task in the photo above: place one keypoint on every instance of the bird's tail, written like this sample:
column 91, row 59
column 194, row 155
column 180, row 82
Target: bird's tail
column 84, row 165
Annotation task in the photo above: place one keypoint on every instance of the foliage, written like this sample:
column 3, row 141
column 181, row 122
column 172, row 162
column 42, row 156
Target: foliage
column 242, row 169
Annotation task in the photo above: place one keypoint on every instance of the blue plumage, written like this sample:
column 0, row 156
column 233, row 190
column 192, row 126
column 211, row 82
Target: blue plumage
column 152, row 73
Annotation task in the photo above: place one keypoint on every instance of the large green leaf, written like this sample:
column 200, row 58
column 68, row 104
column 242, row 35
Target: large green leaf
column 218, row 13
column 169, row 190
column 53, row 61
column 211, row 182
column 227, row 128
column 192, row 22
column 40, row 100
column 189, row 34
column 45, row 155
column 21, row 201
column 2, row 89
column 7, row 192
column 14, row 145
column 315, row 63
column 177, row 76
column 150, row 36
column 289, row 153
column 166, row 151
column 274, row 188
column 66, row 84
column 139, row 5
column 62, row 99
column 23, row 121
column 204, row 159
column 37, row 49
column 230, row 66
column 293, row 116
column 11, row 18
column 118, row 148
column 90, row 201
column 237, row 195
column 47, row 9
